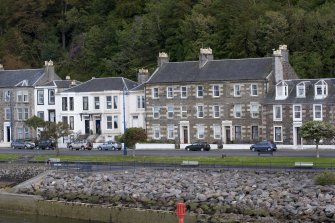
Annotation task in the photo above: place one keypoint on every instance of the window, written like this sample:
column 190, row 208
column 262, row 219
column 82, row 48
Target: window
column 51, row 99
column 217, row 131
column 170, row 111
column 97, row 102
column 183, row 111
column 237, row 90
column 155, row 93
column 64, row 103
column 254, row 110
column 157, row 132
column 200, row 111
column 7, row 113
column 116, row 122
column 155, row 112
column 65, row 119
column 237, row 111
column 109, row 102
column 253, row 89
column 109, row 122
column 140, row 102
column 23, row 133
column 216, row 91
column 278, row 134
column 115, row 102
column 237, row 133
column 170, row 132
column 22, row 96
column 52, row 115
column 40, row 114
column 183, row 90
column 85, row 103
column 201, row 131
column 296, row 112
column 40, row 97
column 22, row 113
column 71, row 104
column 7, row 96
column 254, row 132
column 277, row 113
column 71, row 124
column 169, row 92
column 216, row 111
column 321, row 89
column 317, row 112
column 301, row 90
column 281, row 90
column 200, row 91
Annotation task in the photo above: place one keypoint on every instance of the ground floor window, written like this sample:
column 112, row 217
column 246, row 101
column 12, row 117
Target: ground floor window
column 170, row 130
column 217, row 131
column 201, row 131
column 278, row 134
column 238, row 133
column 254, row 132
column 23, row 133
column 157, row 132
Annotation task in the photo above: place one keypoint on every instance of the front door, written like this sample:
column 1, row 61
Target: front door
column 228, row 139
column 298, row 136
column 185, row 132
column 97, row 127
column 8, row 133
column 87, row 127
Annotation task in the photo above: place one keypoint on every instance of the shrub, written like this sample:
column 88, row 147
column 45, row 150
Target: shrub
column 325, row 178
column 133, row 136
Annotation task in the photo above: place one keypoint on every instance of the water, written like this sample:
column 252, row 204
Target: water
column 13, row 217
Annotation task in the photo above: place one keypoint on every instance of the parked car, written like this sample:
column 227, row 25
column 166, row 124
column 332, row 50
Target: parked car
column 198, row 146
column 80, row 144
column 110, row 145
column 45, row 144
column 22, row 144
column 265, row 145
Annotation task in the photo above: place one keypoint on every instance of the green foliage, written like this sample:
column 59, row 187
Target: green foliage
column 35, row 122
column 117, row 37
column 325, row 178
column 317, row 130
column 133, row 136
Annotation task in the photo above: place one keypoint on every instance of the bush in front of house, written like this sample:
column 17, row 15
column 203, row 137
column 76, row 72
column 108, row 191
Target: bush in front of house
column 325, row 178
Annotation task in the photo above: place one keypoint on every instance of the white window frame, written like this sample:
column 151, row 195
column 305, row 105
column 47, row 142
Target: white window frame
column 140, row 102
column 51, row 96
column 274, row 113
column 40, row 97
column 297, row 112
column 253, row 91
column 254, row 109
column 253, row 135
column 85, row 103
column 170, row 131
column 281, row 91
column 321, row 89
column 200, row 91
column 115, row 102
column 7, row 95
column 216, row 91
column 183, row 91
column 315, row 112
column 156, row 112
column 216, row 111
column 22, row 96
column 155, row 92
column 115, row 121
column 183, row 111
column 217, row 131
column 40, row 114
column 64, row 104
column 170, row 111
column 236, row 127
column 71, row 122
column 109, row 122
column 237, row 90
column 109, row 102
column 169, row 92
column 156, row 132
column 274, row 133
column 237, row 110
column 7, row 114
column 301, row 90
column 200, row 131
column 200, row 111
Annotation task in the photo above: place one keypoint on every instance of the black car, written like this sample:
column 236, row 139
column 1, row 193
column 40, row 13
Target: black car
column 265, row 145
column 45, row 144
column 198, row 146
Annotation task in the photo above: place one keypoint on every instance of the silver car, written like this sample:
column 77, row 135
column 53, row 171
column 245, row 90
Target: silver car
column 22, row 144
column 110, row 145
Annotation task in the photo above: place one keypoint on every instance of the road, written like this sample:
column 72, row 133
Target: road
column 177, row 153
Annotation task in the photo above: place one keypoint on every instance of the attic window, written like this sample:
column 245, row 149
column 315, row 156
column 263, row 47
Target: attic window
column 25, row 83
column 301, row 90
column 281, row 90
column 321, row 89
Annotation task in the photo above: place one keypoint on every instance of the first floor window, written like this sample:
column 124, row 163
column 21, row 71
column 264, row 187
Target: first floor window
column 237, row 111
column 23, row 133
column 40, row 97
column 71, row 122
column 64, row 103
column 183, row 93
column 22, row 113
column 157, row 132
column 297, row 112
column 71, row 101
column 317, row 112
column 156, row 112
column 216, row 111
column 115, row 101
column 277, row 113
column 51, row 100
column 40, row 114
column 217, row 131
column 170, row 131
column 170, row 111
column 201, row 131
column 65, row 119
column 109, row 122
column 278, row 134
column 254, row 132
column 238, row 133
column 200, row 111
column 96, row 102
column 85, row 103
column 116, row 122
column 7, row 113
column 109, row 102
column 183, row 111
column 254, row 110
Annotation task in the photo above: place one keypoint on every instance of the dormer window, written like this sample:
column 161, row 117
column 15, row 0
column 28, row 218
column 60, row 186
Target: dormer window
column 321, row 89
column 281, row 90
column 301, row 92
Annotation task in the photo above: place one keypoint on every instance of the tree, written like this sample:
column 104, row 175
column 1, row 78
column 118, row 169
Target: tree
column 133, row 136
column 35, row 122
column 317, row 130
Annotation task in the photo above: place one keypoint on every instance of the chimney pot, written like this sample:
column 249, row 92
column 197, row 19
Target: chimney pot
column 205, row 55
column 162, row 58
column 68, row 78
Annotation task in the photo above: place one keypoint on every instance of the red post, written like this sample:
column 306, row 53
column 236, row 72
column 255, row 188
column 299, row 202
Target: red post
column 181, row 209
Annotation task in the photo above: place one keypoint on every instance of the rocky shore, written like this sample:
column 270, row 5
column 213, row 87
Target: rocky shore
column 13, row 173
column 215, row 196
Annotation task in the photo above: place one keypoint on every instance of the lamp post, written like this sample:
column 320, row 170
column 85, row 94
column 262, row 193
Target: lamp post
column 125, row 91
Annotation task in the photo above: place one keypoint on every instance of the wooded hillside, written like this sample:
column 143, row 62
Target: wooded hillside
column 98, row 38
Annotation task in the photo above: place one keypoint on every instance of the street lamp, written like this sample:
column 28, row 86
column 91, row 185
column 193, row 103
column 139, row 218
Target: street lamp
column 125, row 92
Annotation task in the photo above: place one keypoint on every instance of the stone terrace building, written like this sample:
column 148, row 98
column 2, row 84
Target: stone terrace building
column 212, row 100
column 293, row 102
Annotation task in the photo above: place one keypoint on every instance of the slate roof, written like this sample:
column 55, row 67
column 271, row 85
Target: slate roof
column 60, row 83
column 104, row 84
column 213, row 70
column 11, row 78
column 309, row 93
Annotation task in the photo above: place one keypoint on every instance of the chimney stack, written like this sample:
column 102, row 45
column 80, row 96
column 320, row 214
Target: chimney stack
column 162, row 58
column 67, row 78
column 50, row 70
column 204, row 56
column 280, row 57
column 142, row 76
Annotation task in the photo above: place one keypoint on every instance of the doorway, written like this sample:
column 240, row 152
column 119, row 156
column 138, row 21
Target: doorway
column 87, row 127
column 185, row 135
column 228, row 138
column 8, row 133
column 97, row 127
